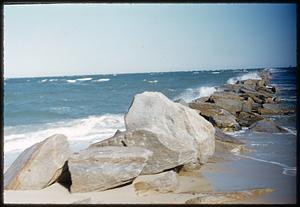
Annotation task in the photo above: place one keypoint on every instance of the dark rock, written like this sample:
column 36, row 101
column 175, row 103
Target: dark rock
column 268, row 126
column 246, row 119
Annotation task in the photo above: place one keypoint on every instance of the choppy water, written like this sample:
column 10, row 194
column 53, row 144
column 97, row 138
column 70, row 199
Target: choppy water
column 90, row 108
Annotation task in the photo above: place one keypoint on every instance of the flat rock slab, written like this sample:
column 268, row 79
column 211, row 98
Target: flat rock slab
column 39, row 165
column 101, row 168
column 273, row 109
column 163, row 182
column 228, row 197
column 168, row 152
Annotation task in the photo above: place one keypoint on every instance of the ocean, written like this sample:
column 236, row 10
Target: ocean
column 90, row 108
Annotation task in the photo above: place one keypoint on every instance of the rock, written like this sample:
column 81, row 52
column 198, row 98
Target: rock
column 168, row 152
column 270, row 109
column 227, row 143
column 246, row 119
column 39, row 165
column 164, row 182
column 181, row 101
column 228, row 101
column 152, row 111
column 199, row 100
column 221, row 136
column 227, row 197
column 251, row 83
column 247, row 105
column 255, row 107
column 101, row 168
column 216, row 115
column 267, row 125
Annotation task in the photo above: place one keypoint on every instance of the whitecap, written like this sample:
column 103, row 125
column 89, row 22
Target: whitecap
column 153, row 81
column 102, row 80
column 51, row 80
column 215, row 72
column 43, row 81
column 253, row 75
column 84, row 79
column 71, row 81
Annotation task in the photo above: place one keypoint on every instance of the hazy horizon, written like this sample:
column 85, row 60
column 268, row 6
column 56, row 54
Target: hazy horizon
column 93, row 39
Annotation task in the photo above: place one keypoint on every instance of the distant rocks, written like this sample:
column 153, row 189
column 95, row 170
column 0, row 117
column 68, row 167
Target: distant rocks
column 97, row 169
column 39, row 165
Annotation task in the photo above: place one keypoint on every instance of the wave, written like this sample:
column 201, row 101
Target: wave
column 215, row 72
column 191, row 94
column 84, row 79
column 286, row 170
column 43, row 81
column 252, row 75
column 153, row 81
column 51, row 80
column 87, row 130
column 102, row 80
column 71, row 81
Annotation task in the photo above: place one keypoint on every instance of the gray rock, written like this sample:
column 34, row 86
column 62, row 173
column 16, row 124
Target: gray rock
column 181, row 101
column 221, row 136
column 101, row 168
column 228, row 101
column 39, row 165
column 246, row 119
column 216, row 115
column 168, row 152
column 268, row 126
column 247, row 105
column 270, row 109
column 152, row 111
column 164, row 182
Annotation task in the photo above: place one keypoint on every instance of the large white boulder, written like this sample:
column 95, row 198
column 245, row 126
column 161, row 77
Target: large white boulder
column 152, row 111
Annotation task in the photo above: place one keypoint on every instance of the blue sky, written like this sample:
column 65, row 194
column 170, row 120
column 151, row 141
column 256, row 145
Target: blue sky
column 66, row 39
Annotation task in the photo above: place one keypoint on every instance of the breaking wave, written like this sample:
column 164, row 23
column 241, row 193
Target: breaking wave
column 191, row 94
column 79, row 131
column 102, row 80
column 252, row 75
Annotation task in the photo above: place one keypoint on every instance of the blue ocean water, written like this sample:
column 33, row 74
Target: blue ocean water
column 89, row 108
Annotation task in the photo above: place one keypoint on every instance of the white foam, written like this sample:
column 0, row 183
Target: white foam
column 191, row 94
column 43, row 81
column 152, row 81
column 252, row 75
column 51, row 80
column 84, row 79
column 286, row 169
column 102, row 80
column 71, row 81
column 90, row 129
column 215, row 72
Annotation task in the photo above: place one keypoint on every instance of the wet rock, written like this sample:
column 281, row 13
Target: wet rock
column 221, row 136
column 227, row 143
column 101, row 168
column 216, row 115
column 268, row 126
column 164, row 182
column 246, row 119
column 228, row 101
column 272, row 109
column 39, row 165
column 152, row 111
column 227, row 197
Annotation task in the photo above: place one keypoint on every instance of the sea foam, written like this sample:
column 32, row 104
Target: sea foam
column 191, row 94
column 252, row 75
column 102, row 80
column 88, row 130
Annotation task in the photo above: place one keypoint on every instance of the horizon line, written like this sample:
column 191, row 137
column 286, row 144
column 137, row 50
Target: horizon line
column 194, row 70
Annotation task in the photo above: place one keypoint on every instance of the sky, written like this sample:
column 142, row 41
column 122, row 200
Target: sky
column 81, row 39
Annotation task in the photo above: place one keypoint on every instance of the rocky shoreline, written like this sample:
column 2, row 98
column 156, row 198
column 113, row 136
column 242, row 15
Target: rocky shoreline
column 163, row 140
